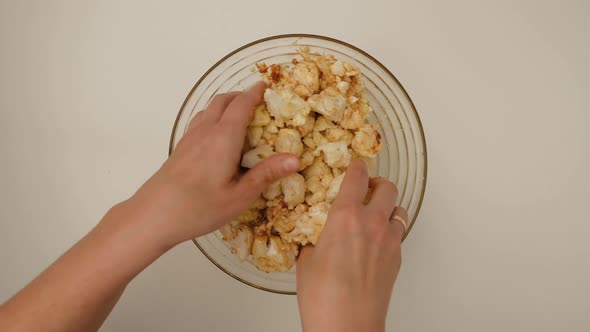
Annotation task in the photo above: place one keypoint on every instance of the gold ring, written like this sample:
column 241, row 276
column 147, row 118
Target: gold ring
column 402, row 221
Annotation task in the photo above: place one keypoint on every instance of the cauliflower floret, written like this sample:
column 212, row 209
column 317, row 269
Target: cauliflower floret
column 336, row 154
column 330, row 103
column 367, row 142
column 240, row 238
column 256, row 155
column 254, row 135
column 322, row 124
column 356, row 115
column 317, row 168
column 271, row 254
column 293, row 210
column 338, row 68
column 324, row 63
column 334, row 134
column 273, row 190
column 314, row 183
column 343, row 86
column 315, row 198
column 326, row 180
column 253, row 214
column 289, row 141
column 306, row 77
column 350, row 69
column 286, row 106
column 293, row 187
column 307, row 127
column 306, row 159
column 269, row 134
column 261, row 116
column 309, row 227
column 317, row 190
column 309, row 142
column 339, row 134
column 334, row 188
column 281, row 217
column 272, row 128
column 319, row 139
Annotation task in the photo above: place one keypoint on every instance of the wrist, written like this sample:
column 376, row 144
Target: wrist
column 342, row 321
column 131, row 226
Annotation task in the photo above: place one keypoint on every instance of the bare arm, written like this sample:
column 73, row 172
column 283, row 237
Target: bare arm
column 192, row 194
column 80, row 289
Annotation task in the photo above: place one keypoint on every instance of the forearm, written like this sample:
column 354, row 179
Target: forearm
column 77, row 292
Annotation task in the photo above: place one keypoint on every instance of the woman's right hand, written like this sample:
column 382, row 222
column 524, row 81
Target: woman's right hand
column 344, row 283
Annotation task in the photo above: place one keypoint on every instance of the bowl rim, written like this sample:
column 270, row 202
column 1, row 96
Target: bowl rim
column 325, row 38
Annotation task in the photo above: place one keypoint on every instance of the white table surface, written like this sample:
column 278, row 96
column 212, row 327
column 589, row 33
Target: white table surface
column 89, row 92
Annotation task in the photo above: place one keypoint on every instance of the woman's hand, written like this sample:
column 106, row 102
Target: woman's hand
column 344, row 283
column 198, row 189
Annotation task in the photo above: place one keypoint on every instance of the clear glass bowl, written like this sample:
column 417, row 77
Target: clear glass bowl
column 402, row 159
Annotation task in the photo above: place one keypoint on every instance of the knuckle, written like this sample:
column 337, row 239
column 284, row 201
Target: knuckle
column 392, row 187
column 265, row 175
column 348, row 215
column 220, row 98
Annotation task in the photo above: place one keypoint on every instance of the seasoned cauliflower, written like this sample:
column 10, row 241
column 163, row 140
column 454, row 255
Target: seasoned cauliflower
column 286, row 106
column 261, row 117
column 355, row 116
column 338, row 134
column 336, row 154
column 317, row 168
column 343, row 86
column 308, row 141
column 322, row 123
column 271, row 254
column 293, row 188
column 254, row 136
column 272, row 191
column 289, row 141
column 367, row 141
column 307, row 127
column 334, row 188
column 256, row 155
column 306, row 77
column 240, row 238
column 330, row 103
column 314, row 108
column 338, row 68
column 306, row 159
column 309, row 227
column 317, row 192
column 318, row 138
column 281, row 217
column 253, row 214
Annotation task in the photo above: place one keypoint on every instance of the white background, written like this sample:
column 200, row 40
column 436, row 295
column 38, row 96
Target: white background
column 89, row 92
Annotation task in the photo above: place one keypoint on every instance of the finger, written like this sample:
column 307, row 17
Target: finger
column 239, row 112
column 384, row 195
column 214, row 110
column 400, row 222
column 355, row 184
column 257, row 179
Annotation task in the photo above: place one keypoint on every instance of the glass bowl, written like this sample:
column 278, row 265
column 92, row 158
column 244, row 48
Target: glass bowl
column 402, row 159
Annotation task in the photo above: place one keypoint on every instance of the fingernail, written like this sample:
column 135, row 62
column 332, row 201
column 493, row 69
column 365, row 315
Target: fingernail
column 254, row 85
column 291, row 164
column 362, row 162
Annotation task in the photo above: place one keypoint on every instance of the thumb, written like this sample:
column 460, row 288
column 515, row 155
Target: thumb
column 257, row 179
